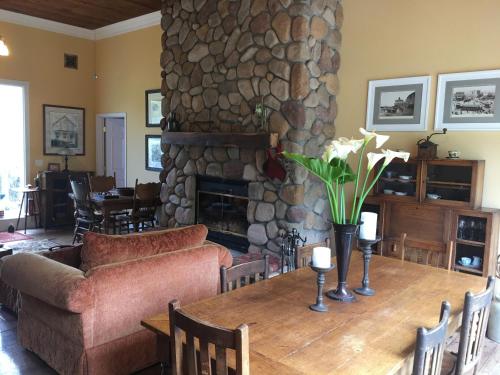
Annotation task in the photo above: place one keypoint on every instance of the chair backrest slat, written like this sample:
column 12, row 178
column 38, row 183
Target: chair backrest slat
column 221, row 360
column 430, row 345
column 244, row 274
column 206, row 334
column 473, row 330
column 303, row 254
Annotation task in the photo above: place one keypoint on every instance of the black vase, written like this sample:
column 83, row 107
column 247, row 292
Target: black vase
column 342, row 235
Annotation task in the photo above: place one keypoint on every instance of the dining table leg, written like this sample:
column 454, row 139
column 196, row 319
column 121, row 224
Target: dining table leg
column 106, row 220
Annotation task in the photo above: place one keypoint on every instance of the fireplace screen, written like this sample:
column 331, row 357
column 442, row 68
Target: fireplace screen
column 223, row 212
column 222, row 205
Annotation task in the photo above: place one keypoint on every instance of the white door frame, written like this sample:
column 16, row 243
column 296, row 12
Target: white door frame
column 26, row 147
column 99, row 124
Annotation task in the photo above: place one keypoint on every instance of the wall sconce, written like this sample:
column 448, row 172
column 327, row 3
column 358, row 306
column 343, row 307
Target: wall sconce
column 4, row 50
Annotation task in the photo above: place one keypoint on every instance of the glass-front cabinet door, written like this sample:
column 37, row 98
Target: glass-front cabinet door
column 452, row 182
column 399, row 180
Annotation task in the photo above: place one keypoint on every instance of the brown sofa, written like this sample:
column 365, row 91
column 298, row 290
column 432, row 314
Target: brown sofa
column 86, row 320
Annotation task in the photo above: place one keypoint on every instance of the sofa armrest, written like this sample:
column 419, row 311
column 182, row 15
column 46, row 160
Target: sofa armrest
column 225, row 256
column 66, row 254
column 55, row 283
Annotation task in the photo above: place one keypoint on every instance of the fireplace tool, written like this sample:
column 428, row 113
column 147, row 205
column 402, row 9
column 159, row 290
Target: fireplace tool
column 289, row 242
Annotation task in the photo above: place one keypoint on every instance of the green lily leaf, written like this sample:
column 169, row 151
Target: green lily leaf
column 347, row 173
column 327, row 172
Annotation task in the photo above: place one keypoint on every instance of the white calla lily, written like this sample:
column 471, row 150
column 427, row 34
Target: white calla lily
column 341, row 148
column 379, row 138
column 373, row 158
column 390, row 155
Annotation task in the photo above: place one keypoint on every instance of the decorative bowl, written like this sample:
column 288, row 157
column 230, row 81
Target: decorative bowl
column 433, row 196
column 400, row 193
column 388, row 191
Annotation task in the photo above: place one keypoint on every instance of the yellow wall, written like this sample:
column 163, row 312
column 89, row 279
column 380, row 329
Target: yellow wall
column 37, row 57
column 127, row 65
column 400, row 38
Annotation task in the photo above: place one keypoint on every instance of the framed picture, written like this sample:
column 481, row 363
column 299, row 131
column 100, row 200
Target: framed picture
column 153, row 153
column 153, row 108
column 398, row 105
column 63, row 129
column 54, row 167
column 468, row 101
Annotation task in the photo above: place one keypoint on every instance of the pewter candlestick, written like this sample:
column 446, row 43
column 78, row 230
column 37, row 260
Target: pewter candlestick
column 319, row 306
column 366, row 248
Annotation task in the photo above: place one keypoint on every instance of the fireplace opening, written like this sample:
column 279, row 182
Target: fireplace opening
column 221, row 205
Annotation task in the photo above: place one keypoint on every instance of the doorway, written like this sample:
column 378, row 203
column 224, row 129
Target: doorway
column 13, row 145
column 111, row 146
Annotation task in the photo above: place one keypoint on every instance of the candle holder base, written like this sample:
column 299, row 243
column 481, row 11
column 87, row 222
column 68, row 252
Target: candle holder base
column 319, row 306
column 341, row 294
column 364, row 291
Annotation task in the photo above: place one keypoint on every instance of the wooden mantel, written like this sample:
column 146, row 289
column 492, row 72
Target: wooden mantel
column 243, row 140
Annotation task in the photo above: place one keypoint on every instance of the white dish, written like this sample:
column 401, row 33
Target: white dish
column 433, row 196
column 402, row 177
column 400, row 193
column 388, row 191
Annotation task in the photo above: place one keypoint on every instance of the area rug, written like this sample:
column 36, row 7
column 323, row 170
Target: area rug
column 9, row 237
column 32, row 246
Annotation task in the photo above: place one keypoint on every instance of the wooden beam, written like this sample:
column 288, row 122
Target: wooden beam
column 243, row 140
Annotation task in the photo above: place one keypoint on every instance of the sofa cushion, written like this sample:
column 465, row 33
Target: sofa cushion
column 100, row 249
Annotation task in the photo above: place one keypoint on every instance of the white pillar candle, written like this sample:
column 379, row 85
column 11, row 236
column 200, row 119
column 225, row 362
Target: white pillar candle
column 368, row 229
column 321, row 257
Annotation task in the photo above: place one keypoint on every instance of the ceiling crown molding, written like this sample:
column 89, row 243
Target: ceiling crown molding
column 123, row 27
column 47, row 25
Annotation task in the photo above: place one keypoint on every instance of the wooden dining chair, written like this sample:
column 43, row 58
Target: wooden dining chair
column 244, row 274
column 87, row 218
column 184, row 357
column 473, row 329
column 102, row 184
column 146, row 201
column 303, row 254
column 429, row 253
column 430, row 344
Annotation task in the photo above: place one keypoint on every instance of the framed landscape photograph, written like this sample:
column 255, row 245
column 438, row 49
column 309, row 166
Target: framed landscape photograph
column 153, row 108
column 399, row 104
column 153, row 153
column 63, row 128
column 468, row 101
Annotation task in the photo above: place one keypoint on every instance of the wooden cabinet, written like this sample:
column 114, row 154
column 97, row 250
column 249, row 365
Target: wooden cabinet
column 57, row 207
column 448, row 182
column 439, row 202
column 474, row 232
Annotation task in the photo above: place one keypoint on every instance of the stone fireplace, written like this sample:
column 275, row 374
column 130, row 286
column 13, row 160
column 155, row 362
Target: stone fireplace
column 221, row 58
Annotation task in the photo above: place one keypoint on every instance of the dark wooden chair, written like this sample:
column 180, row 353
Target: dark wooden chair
column 102, row 184
column 244, row 274
column 473, row 330
column 430, row 344
column 303, row 255
column 424, row 252
column 86, row 216
column 184, row 357
column 146, row 201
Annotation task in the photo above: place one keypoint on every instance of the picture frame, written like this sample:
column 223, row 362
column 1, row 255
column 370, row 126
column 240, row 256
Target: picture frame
column 54, row 167
column 153, row 153
column 153, row 108
column 468, row 101
column 398, row 104
column 63, row 129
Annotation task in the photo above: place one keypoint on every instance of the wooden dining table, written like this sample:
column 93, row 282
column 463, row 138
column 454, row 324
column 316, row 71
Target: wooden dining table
column 373, row 335
column 108, row 205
